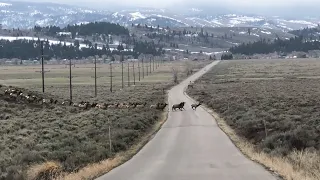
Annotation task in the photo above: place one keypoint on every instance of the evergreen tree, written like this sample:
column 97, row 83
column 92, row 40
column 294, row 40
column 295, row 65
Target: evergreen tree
column 278, row 45
column 85, row 29
column 26, row 49
column 226, row 56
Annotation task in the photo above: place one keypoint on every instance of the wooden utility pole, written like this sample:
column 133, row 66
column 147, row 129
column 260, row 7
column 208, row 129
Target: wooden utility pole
column 150, row 65
column 153, row 64
column 142, row 69
column 42, row 62
column 70, row 78
column 42, row 67
column 110, row 77
column 122, row 74
column 95, row 76
column 128, row 74
column 139, row 69
column 134, row 75
column 147, row 66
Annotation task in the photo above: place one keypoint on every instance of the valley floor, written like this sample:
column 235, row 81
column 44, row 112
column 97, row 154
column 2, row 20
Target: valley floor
column 69, row 137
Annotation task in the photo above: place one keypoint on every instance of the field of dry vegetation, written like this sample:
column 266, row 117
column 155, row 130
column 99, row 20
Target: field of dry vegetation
column 273, row 105
column 73, row 138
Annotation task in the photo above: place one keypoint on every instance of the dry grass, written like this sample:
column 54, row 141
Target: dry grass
column 95, row 170
column 57, row 77
column 75, row 138
column 298, row 165
column 271, row 120
column 45, row 171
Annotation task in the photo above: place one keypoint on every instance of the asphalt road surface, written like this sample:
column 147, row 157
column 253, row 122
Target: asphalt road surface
column 189, row 146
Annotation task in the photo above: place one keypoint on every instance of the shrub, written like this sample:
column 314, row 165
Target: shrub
column 45, row 171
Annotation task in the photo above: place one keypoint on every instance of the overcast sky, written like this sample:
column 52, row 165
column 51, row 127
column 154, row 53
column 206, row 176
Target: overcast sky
column 168, row 3
column 288, row 8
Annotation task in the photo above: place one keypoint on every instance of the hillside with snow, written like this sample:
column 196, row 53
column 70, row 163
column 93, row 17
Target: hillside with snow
column 14, row 14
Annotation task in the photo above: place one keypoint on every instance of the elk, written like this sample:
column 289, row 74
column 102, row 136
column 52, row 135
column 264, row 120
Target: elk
column 133, row 105
column 113, row 105
column 47, row 101
column 141, row 105
column 155, row 105
column 94, row 105
column 178, row 106
column 194, row 106
column 162, row 106
column 102, row 106
column 122, row 106
column 84, row 106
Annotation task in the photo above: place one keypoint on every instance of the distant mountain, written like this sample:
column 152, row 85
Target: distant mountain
column 28, row 14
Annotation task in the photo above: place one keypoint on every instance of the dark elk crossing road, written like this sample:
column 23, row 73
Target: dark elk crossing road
column 189, row 146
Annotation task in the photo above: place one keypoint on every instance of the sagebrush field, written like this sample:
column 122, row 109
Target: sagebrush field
column 32, row 133
column 273, row 104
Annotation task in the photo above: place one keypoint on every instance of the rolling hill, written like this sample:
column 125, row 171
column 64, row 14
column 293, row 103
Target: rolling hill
column 15, row 14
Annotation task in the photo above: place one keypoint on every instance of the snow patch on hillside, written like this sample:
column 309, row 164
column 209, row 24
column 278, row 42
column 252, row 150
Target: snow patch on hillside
column 137, row 15
column 117, row 15
column 161, row 16
column 4, row 4
column 11, row 38
column 35, row 12
column 302, row 22
column 265, row 32
column 196, row 10
column 250, row 19
column 55, row 42
column 234, row 22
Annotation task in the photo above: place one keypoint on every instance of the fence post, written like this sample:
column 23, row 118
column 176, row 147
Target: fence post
column 110, row 143
column 265, row 128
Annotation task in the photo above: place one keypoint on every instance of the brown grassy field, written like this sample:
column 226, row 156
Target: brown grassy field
column 57, row 77
column 273, row 106
column 68, row 137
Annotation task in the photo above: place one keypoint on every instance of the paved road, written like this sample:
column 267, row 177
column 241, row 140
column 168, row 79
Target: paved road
column 189, row 146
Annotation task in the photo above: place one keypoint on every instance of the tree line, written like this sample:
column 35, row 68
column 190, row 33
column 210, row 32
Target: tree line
column 308, row 33
column 298, row 43
column 30, row 49
column 88, row 29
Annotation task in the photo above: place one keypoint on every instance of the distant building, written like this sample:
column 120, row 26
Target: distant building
column 67, row 34
column 132, row 60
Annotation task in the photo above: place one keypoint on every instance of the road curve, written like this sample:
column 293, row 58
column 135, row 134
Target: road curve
column 189, row 146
